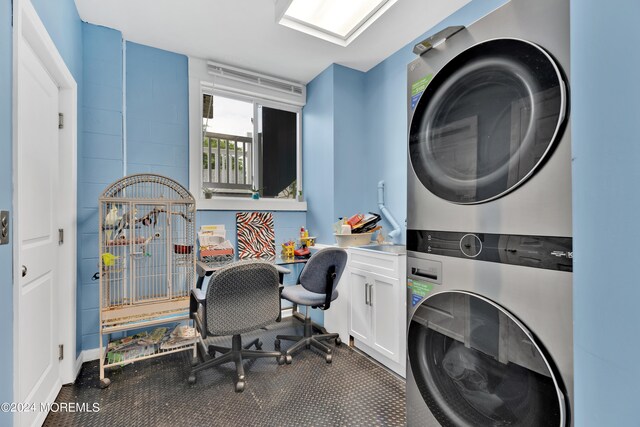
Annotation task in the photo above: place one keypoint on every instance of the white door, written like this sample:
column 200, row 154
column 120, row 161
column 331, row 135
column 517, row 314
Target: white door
column 38, row 365
column 386, row 316
column 360, row 309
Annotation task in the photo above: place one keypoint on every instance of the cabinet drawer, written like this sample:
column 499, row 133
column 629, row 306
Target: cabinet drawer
column 376, row 262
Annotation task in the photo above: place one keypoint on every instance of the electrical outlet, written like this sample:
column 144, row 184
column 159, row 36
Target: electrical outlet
column 4, row 227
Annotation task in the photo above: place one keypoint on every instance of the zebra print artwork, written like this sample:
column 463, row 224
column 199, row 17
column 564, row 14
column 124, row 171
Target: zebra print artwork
column 256, row 238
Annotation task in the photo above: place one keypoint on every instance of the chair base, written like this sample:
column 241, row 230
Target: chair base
column 237, row 353
column 307, row 340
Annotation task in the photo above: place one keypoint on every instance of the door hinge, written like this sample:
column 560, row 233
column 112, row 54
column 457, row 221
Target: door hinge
column 60, row 121
column 60, row 236
column 60, row 351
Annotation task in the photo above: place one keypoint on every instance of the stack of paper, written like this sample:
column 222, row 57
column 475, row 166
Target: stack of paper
column 213, row 243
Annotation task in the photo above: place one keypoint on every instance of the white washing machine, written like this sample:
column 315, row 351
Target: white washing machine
column 490, row 336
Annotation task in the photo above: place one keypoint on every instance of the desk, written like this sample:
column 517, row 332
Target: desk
column 207, row 269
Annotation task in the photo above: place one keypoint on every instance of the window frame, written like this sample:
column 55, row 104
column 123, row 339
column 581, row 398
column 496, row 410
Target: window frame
column 198, row 88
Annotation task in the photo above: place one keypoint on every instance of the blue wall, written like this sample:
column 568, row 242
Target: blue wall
column 157, row 112
column 65, row 28
column 350, row 151
column 286, row 224
column 100, row 158
column 605, row 93
column 6, row 258
column 333, row 140
column 317, row 157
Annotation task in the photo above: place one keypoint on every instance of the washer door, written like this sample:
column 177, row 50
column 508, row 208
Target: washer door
column 477, row 365
column 487, row 120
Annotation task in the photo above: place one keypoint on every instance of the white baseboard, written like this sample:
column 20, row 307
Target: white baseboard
column 77, row 366
column 90, row 355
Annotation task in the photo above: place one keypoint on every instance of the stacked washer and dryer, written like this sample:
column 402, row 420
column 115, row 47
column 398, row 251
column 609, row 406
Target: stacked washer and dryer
column 490, row 335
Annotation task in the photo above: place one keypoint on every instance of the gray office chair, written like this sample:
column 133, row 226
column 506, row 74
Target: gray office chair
column 316, row 289
column 241, row 297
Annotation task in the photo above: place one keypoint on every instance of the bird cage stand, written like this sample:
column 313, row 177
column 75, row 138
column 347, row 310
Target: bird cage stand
column 147, row 266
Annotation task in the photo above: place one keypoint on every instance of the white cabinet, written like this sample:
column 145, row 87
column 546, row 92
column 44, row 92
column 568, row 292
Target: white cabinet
column 359, row 309
column 377, row 305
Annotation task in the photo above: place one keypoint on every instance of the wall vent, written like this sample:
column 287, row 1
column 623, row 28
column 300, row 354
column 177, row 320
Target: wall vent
column 265, row 86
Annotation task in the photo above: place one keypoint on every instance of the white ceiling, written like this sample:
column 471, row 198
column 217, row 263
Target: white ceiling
column 244, row 33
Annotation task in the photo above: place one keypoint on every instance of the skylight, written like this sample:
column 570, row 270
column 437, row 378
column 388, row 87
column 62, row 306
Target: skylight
column 336, row 21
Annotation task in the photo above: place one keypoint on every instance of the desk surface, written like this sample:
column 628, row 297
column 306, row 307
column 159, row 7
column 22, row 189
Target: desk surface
column 206, row 269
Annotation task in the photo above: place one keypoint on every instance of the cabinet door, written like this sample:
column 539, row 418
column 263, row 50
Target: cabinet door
column 359, row 308
column 336, row 318
column 386, row 316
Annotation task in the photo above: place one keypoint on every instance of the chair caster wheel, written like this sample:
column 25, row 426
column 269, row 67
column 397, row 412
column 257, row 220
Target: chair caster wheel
column 105, row 382
column 195, row 361
column 276, row 344
column 328, row 358
column 240, row 386
column 338, row 342
column 288, row 359
column 281, row 359
column 192, row 379
column 259, row 345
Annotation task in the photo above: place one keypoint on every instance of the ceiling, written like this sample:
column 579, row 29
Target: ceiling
column 244, row 33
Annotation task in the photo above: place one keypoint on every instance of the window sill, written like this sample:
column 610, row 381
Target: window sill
column 222, row 203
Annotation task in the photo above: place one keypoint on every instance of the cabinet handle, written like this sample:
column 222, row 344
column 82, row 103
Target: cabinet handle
column 371, row 295
column 366, row 293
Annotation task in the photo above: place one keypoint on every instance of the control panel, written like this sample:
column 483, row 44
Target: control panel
column 547, row 252
column 423, row 277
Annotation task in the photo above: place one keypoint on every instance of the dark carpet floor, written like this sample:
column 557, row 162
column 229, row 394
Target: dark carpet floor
column 351, row 391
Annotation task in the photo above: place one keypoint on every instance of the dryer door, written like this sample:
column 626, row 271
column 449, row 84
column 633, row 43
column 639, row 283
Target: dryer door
column 487, row 120
column 476, row 365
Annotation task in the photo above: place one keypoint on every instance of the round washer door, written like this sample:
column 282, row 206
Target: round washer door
column 476, row 365
column 487, row 120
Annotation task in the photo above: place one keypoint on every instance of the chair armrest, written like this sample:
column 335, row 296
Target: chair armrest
column 282, row 270
column 280, row 288
column 203, row 269
column 196, row 299
column 199, row 295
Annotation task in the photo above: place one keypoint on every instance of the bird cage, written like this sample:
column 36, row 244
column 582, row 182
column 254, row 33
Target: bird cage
column 147, row 256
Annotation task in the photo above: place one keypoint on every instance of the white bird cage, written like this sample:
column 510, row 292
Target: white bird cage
column 147, row 257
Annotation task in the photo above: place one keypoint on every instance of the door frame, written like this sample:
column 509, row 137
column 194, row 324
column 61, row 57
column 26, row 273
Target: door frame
column 27, row 24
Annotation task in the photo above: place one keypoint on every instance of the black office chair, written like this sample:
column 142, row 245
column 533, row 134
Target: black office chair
column 240, row 297
column 316, row 289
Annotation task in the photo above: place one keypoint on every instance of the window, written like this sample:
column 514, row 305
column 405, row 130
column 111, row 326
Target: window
column 245, row 134
column 249, row 146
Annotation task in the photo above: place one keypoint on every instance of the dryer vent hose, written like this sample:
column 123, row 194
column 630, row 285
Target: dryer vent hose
column 386, row 214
